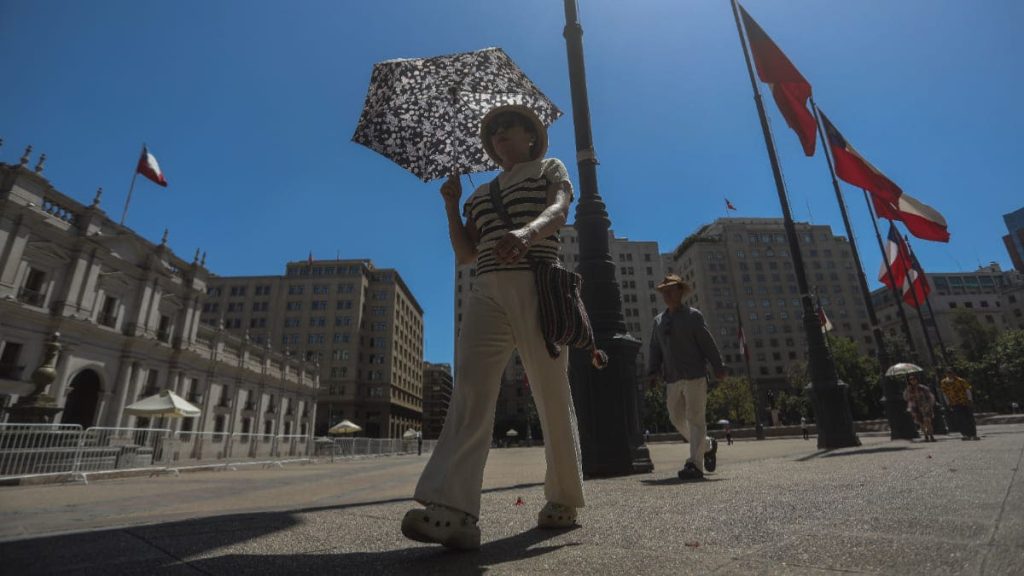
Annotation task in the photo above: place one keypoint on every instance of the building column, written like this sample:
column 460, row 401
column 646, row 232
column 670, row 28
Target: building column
column 124, row 383
column 133, row 393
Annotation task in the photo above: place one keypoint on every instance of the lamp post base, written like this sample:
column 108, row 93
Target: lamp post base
column 901, row 425
column 832, row 413
column 611, row 444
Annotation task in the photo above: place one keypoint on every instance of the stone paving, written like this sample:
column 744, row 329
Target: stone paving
column 773, row 507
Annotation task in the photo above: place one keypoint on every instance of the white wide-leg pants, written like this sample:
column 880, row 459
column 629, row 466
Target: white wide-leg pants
column 686, row 401
column 502, row 315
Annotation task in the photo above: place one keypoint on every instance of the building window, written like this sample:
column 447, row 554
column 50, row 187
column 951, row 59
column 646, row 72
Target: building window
column 293, row 306
column 108, row 315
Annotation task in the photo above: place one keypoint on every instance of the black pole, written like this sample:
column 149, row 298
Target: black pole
column 758, row 412
column 901, row 426
column 931, row 311
column 892, row 279
column 876, row 329
column 606, row 400
column 830, row 396
column 939, row 423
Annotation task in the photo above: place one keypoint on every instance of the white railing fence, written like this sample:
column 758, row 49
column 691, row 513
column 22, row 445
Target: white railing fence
column 38, row 449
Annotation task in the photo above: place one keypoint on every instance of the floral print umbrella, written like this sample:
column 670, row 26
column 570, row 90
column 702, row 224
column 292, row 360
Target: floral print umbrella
column 424, row 113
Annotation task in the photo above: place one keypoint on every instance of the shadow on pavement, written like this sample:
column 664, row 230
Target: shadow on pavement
column 857, row 452
column 674, row 481
column 418, row 560
column 161, row 548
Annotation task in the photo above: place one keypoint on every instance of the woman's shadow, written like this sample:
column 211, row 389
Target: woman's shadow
column 417, row 560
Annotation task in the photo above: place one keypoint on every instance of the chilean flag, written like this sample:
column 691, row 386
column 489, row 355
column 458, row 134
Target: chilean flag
column 789, row 87
column 854, row 169
column 920, row 219
column 728, row 205
column 826, row 324
column 149, row 168
column 898, row 257
column 743, row 343
column 915, row 287
column 889, row 199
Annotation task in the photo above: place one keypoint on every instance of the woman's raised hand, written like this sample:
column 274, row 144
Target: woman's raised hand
column 451, row 190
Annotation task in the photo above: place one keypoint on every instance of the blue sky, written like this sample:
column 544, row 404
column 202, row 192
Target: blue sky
column 250, row 106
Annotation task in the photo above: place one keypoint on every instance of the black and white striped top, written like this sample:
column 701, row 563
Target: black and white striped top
column 524, row 191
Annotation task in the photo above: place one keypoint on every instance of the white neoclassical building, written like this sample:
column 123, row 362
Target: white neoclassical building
column 127, row 312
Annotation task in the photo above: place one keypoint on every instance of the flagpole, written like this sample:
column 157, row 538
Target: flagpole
column 940, row 422
column 876, row 329
column 892, row 278
column 135, row 175
column 928, row 303
column 830, row 396
column 758, row 427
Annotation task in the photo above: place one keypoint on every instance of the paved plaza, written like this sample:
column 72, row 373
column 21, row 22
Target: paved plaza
column 773, row 507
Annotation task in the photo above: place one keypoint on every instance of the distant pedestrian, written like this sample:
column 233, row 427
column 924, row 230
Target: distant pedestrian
column 958, row 395
column 680, row 349
column 1014, row 407
column 728, row 434
column 502, row 315
column 921, row 405
column 803, row 428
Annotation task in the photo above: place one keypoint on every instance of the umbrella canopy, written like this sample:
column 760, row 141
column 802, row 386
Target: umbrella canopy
column 345, row 427
column 166, row 403
column 410, row 433
column 512, row 432
column 903, row 368
column 723, row 422
column 424, row 113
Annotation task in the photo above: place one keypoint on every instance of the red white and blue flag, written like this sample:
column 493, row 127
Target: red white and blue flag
column 889, row 199
column 898, row 258
column 728, row 205
column 915, row 287
column 789, row 87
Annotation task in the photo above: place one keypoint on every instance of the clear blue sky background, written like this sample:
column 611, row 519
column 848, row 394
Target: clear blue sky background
column 249, row 105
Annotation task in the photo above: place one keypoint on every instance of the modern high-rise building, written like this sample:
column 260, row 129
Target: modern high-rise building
column 437, row 396
column 127, row 314
column 994, row 296
column 638, row 270
column 360, row 324
column 1014, row 241
column 743, row 266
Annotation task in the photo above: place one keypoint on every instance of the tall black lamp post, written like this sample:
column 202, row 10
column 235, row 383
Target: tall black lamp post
column 609, row 425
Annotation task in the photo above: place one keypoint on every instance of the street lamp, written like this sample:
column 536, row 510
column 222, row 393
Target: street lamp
column 609, row 426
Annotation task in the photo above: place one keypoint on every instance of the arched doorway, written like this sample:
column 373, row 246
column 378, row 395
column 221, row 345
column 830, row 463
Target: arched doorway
column 83, row 397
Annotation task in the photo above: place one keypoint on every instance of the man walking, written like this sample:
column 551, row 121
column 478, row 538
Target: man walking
column 958, row 396
column 680, row 349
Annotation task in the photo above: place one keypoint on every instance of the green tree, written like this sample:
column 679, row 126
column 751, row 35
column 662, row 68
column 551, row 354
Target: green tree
column 998, row 378
column 655, row 416
column 861, row 373
column 792, row 405
column 976, row 339
column 731, row 399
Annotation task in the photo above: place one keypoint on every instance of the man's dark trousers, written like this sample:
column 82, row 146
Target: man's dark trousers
column 965, row 417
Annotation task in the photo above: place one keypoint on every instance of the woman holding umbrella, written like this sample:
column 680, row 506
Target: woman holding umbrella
column 502, row 315
column 921, row 405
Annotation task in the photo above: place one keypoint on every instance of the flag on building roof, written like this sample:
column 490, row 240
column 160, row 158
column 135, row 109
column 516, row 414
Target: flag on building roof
column 789, row 87
column 898, row 257
column 728, row 205
column 149, row 167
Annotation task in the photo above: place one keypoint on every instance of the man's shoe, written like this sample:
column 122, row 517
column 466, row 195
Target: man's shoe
column 556, row 516
column 711, row 456
column 440, row 525
column 691, row 472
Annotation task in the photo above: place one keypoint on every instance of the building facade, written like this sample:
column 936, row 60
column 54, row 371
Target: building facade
column 743, row 266
column 127, row 313
column 437, row 396
column 994, row 296
column 359, row 324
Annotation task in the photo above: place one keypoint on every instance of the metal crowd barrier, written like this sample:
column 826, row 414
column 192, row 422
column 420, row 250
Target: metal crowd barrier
column 351, row 447
column 49, row 449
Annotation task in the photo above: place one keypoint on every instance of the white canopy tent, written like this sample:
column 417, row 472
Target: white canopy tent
column 166, row 403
